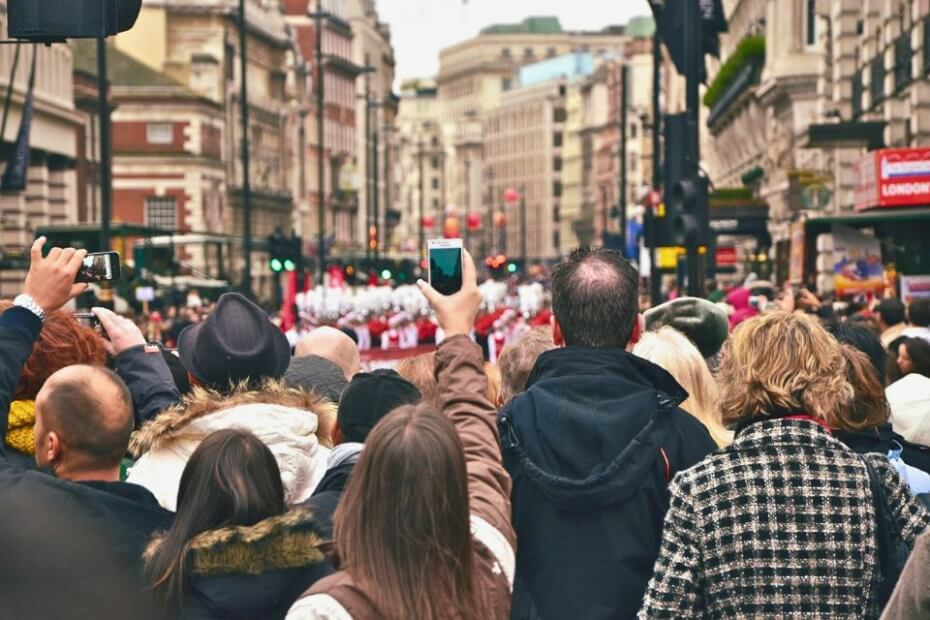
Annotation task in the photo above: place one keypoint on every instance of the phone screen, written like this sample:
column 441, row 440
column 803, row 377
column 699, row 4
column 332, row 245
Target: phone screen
column 445, row 270
column 99, row 267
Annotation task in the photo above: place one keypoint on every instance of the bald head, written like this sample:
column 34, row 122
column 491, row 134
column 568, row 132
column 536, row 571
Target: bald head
column 84, row 417
column 333, row 345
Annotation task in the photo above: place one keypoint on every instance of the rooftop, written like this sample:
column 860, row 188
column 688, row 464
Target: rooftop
column 123, row 69
column 530, row 25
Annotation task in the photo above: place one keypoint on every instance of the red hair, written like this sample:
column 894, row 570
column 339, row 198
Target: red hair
column 62, row 342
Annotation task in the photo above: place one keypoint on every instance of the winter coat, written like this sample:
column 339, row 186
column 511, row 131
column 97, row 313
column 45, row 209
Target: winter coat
column 883, row 439
column 326, row 497
column 911, row 597
column 591, row 446
column 257, row 571
column 285, row 420
column 125, row 514
column 463, row 392
column 909, row 400
column 779, row 524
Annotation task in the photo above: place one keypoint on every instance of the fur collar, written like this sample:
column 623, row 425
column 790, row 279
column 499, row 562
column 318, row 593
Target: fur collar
column 200, row 402
column 277, row 543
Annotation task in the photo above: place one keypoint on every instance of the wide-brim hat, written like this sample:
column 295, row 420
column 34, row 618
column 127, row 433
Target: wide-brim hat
column 703, row 322
column 236, row 342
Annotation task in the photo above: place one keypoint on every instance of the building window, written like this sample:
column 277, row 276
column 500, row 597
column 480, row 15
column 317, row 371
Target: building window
column 559, row 115
column 161, row 212
column 926, row 46
column 434, row 162
column 557, row 138
column 903, row 57
column 556, row 163
column 505, row 84
column 435, row 183
column 528, row 52
column 877, row 83
column 633, row 131
column 557, row 189
column 435, row 203
column 434, row 141
column 505, row 52
column 551, row 52
column 811, row 33
column 159, row 133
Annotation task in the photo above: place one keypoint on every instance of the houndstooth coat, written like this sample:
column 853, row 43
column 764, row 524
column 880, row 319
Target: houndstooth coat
column 780, row 524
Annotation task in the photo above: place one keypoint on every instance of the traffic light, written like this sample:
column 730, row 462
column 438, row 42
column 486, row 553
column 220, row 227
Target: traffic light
column 284, row 253
column 511, row 267
column 688, row 210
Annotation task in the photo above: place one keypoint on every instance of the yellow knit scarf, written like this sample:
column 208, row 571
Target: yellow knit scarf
column 21, row 428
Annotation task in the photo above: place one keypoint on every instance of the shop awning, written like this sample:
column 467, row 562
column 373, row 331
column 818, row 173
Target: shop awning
column 866, row 218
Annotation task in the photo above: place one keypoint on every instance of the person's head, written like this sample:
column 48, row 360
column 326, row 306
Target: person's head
column 869, row 408
column 232, row 478
column 369, row 397
column 62, row 342
column 862, row 339
column 702, row 322
column 914, row 357
column 334, row 345
column 84, row 417
column 518, row 359
column 918, row 312
column 405, row 534
column 782, row 362
column 595, row 295
column 421, row 372
column 673, row 351
column 313, row 373
column 890, row 313
column 235, row 344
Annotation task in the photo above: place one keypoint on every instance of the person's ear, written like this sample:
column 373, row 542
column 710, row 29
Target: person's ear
column 638, row 328
column 337, row 434
column 52, row 448
column 557, row 336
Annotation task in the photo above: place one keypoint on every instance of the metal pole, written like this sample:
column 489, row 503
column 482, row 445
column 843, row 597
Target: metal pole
column 106, row 144
column 369, row 251
column 655, row 280
column 622, row 194
column 376, row 186
column 523, row 226
column 320, row 170
column 467, row 199
column 246, row 178
column 422, row 239
column 695, row 56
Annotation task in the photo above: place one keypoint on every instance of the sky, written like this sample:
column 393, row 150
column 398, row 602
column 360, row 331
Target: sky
column 420, row 28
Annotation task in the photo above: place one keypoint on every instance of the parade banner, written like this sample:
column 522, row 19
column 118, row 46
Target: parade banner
column 893, row 178
column 858, row 265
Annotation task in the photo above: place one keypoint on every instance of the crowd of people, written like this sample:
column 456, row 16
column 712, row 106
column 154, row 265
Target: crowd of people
column 763, row 456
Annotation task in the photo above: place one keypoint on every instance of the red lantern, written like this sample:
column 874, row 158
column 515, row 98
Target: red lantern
column 428, row 221
column 500, row 220
column 473, row 221
column 511, row 195
column 451, row 228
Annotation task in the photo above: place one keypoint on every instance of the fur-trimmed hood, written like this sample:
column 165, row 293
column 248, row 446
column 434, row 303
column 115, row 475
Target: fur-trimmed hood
column 252, row 571
column 288, row 421
column 201, row 402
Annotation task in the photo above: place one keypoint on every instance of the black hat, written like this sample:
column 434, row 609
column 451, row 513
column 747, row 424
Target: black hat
column 313, row 373
column 703, row 322
column 369, row 397
column 235, row 343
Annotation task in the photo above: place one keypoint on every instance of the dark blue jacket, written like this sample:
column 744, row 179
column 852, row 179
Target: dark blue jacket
column 591, row 446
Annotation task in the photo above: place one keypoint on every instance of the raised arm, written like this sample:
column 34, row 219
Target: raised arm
column 463, row 391
column 49, row 285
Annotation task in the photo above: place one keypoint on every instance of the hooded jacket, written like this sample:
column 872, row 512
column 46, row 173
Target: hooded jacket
column 591, row 446
column 909, row 399
column 258, row 571
column 326, row 497
column 286, row 420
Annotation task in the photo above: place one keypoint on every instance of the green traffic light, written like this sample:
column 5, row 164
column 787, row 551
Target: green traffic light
column 386, row 274
column 289, row 265
column 276, row 265
column 512, row 267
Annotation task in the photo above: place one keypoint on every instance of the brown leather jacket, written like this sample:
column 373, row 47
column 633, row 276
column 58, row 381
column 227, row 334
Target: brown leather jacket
column 463, row 389
column 911, row 597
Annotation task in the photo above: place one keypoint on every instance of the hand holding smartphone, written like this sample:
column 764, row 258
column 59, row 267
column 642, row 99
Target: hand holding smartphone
column 445, row 265
column 99, row 267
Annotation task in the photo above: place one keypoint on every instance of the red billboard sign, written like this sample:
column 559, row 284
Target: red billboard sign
column 893, row 178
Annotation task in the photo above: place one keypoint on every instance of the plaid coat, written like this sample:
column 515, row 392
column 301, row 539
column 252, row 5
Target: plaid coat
column 780, row 524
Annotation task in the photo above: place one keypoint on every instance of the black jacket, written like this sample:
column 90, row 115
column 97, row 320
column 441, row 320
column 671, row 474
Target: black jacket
column 591, row 446
column 146, row 374
column 255, row 571
column 326, row 496
column 126, row 514
column 881, row 440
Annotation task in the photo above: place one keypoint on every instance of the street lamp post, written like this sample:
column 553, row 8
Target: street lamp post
column 422, row 235
column 318, row 16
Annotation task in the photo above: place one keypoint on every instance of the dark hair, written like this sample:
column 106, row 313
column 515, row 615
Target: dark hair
column 891, row 311
column 869, row 408
column 919, row 351
column 232, row 478
column 595, row 298
column 918, row 312
column 862, row 339
column 892, row 371
column 406, row 535
column 92, row 413
column 178, row 372
column 369, row 397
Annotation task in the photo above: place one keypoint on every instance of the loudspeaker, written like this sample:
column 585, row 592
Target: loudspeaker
column 44, row 21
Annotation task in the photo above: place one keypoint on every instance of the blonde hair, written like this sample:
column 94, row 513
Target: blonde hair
column 421, row 371
column 783, row 361
column 494, row 383
column 674, row 352
column 518, row 359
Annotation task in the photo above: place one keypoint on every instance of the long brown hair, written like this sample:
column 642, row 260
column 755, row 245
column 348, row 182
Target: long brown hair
column 402, row 527
column 870, row 407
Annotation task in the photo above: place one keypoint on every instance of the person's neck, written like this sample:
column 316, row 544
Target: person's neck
column 106, row 474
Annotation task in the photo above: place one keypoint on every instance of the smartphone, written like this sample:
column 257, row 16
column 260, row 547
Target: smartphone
column 87, row 319
column 445, row 265
column 99, row 267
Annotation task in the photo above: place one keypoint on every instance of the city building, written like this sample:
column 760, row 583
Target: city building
column 523, row 144
column 52, row 191
column 419, row 164
column 376, row 111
